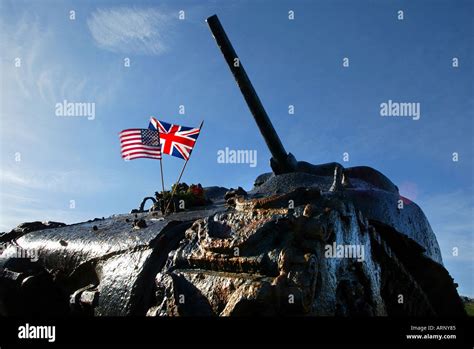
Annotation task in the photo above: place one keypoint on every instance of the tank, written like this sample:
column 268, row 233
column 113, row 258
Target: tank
column 305, row 240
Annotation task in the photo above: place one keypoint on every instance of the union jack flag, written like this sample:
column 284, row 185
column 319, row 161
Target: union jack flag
column 175, row 140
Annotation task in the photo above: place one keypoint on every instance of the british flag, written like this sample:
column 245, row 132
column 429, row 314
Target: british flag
column 175, row 140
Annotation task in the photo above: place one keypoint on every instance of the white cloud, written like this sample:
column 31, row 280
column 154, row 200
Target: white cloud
column 130, row 30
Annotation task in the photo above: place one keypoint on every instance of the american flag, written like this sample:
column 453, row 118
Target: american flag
column 140, row 143
column 175, row 140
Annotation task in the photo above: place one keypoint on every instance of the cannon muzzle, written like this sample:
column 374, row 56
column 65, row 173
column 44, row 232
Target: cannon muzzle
column 281, row 161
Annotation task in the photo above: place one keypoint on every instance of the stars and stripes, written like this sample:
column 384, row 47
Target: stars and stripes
column 175, row 140
column 140, row 143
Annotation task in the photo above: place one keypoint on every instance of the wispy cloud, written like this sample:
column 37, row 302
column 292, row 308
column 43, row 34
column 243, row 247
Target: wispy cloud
column 25, row 40
column 74, row 181
column 12, row 216
column 29, row 194
column 43, row 76
column 130, row 30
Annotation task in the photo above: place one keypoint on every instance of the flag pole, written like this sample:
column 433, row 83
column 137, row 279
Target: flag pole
column 182, row 171
column 161, row 161
column 162, row 180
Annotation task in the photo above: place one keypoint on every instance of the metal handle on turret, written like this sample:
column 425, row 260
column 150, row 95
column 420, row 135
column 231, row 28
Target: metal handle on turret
column 281, row 161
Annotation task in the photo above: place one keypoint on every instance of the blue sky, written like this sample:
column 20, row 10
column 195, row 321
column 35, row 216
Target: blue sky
column 176, row 62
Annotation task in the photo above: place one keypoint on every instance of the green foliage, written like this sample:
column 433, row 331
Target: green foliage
column 191, row 195
column 469, row 308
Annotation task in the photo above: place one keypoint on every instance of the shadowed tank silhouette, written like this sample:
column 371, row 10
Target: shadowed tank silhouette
column 307, row 239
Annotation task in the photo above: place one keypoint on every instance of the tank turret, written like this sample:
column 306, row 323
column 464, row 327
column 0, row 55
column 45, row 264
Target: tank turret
column 370, row 189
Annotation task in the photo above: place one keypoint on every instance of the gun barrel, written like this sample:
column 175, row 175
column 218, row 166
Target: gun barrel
column 279, row 154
